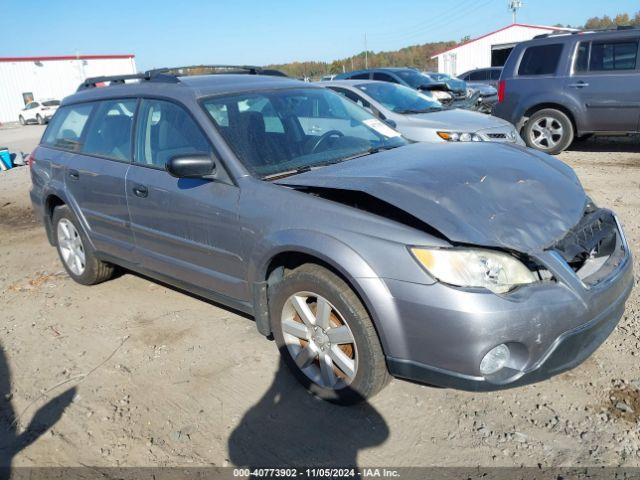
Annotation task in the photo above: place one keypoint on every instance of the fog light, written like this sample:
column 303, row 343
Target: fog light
column 495, row 359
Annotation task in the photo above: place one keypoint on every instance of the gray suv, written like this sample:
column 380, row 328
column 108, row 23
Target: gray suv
column 561, row 86
column 471, row 265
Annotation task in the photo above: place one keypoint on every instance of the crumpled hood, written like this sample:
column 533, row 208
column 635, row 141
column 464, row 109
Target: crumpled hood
column 486, row 194
column 458, row 120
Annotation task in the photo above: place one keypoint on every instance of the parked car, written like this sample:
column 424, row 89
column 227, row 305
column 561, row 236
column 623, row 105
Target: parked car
column 486, row 96
column 420, row 118
column 38, row 112
column 488, row 76
column 559, row 87
column 409, row 77
column 456, row 86
column 471, row 265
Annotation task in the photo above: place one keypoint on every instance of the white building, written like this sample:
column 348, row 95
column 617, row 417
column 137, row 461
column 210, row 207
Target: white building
column 490, row 50
column 23, row 79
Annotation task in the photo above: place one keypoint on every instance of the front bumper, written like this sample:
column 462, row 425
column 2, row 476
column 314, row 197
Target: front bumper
column 438, row 334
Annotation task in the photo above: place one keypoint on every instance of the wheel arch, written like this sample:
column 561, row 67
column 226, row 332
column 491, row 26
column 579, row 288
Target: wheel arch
column 335, row 256
column 54, row 199
column 555, row 106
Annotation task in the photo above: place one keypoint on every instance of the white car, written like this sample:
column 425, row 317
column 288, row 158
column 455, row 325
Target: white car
column 38, row 112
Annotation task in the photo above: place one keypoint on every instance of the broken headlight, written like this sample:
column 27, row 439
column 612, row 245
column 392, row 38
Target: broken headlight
column 460, row 137
column 474, row 267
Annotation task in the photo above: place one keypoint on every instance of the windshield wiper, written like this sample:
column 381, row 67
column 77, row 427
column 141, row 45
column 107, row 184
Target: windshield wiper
column 287, row 173
column 422, row 110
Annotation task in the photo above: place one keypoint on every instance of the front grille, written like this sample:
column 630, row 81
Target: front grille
column 593, row 246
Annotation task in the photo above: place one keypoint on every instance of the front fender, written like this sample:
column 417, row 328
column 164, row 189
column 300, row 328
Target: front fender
column 368, row 286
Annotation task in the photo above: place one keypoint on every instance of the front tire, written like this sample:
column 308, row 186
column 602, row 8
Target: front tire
column 39, row 119
column 21, row 120
column 549, row 130
column 75, row 251
column 326, row 336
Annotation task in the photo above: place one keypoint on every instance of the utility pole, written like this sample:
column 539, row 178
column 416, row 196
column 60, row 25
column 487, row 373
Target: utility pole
column 514, row 5
column 366, row 53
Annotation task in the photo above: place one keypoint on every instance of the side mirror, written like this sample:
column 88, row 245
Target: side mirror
column 191, row 166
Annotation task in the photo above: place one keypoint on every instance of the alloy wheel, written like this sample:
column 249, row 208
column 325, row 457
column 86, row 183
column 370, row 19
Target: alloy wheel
column 319, row 340
column 546, row 133
column 71, row 247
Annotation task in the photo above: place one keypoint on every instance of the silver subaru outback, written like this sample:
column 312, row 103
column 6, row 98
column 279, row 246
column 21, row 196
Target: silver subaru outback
column 473, row 265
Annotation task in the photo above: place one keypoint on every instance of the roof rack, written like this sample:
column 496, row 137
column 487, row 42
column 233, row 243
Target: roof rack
column 171, row 74
column 617, row 28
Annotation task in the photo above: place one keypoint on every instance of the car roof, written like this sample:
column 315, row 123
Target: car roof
column 582, row 36
column 194, row 86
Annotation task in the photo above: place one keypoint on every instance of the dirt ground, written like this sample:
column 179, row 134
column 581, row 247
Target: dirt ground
column 132, row 373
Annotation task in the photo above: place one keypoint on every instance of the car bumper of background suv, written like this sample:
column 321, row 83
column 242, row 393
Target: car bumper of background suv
column 438, row 334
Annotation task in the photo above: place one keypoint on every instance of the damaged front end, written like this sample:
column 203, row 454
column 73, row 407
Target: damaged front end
column 595, row 247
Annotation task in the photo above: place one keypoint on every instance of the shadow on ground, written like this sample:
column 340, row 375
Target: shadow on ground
column 290, row 427
column 12, row 442
column 630, row 144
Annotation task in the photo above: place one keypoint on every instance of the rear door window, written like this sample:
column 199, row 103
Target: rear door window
column 540, row 60
column 109, row 132
column 360, row 76
column 495, row 74
column 66, row 129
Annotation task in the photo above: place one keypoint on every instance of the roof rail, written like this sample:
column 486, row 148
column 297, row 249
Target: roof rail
column 94, row 82
column 214, row 69
column 171, row 74
column 617, row 28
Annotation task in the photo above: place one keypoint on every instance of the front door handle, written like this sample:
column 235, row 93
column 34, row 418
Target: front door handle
column 74, row 174
column 140, row 191
column 579, row 84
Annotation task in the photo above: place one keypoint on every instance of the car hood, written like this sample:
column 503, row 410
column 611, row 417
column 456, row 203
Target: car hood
column 458, row 120
column 485, row 194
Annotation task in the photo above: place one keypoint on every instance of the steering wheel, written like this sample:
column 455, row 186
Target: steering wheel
column 324, row 137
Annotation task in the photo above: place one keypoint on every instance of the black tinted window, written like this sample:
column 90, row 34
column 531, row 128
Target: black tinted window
column 582, row 57
column 66, row 127
column 166, row 130
column 478, row 75
column 540, row 60
column 613, row 56
column 109, row 132
column 495, row 74
column 360, row 76
column 384, row 77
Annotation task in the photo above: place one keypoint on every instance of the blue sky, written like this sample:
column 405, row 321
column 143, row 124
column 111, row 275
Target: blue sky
column 182, row 32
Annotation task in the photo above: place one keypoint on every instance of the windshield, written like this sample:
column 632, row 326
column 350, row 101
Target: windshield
column 286, row 130
column 400, row 99
column 414, row 78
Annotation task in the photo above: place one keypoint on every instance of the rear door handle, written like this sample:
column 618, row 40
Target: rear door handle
column 579, row 84
column 140, row 191
column 74, row 174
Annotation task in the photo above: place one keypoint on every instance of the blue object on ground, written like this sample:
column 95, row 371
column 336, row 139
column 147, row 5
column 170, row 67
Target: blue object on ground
column 5, row 158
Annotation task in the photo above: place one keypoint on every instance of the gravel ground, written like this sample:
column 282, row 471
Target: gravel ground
column 131, row 372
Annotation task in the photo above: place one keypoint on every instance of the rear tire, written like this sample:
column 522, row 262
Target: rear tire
column 549, row 130
column 348, row 364
column 74, row 249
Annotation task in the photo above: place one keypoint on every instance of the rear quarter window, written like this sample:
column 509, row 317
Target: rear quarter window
column 540, row 59
column 66, row 128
